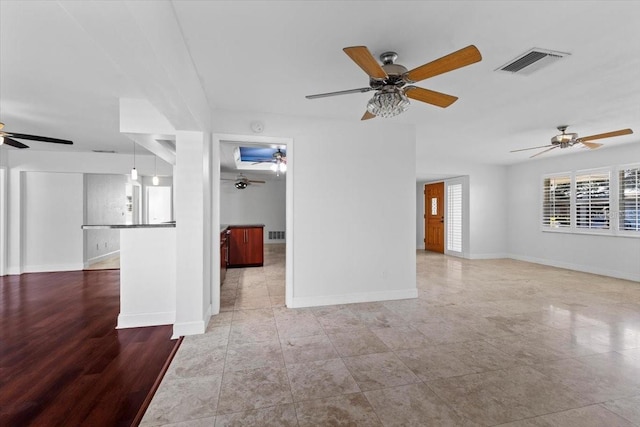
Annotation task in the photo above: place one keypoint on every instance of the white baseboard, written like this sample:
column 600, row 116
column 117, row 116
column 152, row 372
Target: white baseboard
column 45, row 268
column 299, row 302
column 578, row 267
column 145, row 319
column 488, row 256
column 207, row 315
column 188, row 328
column 99, row 258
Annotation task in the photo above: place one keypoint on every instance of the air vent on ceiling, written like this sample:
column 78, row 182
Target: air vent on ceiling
column 532, row 61
column 104, row 151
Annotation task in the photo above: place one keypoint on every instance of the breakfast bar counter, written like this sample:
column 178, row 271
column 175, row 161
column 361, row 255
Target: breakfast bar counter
column 147, row 273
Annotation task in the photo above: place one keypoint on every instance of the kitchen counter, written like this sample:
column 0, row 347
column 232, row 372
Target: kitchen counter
column 147, row 273
column 121, row 226
column 244, row 225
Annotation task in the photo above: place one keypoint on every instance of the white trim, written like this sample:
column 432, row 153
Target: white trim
column 208, row 314
column 45, row 268
column 145, row 319
column 586, row 268
column 498, row 255
column 216, row 139
column 299, row 302
column 188, row 328
column 100, row 258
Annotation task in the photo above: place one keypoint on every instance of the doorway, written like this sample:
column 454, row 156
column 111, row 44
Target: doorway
column 434, row 217
column 220, row 183
column 158, row 205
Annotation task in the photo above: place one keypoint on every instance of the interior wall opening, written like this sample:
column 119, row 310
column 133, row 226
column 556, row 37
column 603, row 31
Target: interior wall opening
column 251, row 191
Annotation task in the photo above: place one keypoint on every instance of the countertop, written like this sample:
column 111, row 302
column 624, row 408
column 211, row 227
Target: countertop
column 124, row 226
column 227, row 226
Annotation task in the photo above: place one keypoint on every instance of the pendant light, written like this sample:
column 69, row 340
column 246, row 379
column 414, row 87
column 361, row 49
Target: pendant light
column 134, row 172
column 155, row 179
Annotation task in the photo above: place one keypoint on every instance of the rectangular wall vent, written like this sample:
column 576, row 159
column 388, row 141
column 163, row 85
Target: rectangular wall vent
column 532, row 61
column 276, row 235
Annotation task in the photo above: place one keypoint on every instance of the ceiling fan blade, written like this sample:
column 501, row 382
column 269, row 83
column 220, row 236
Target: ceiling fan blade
column 453, row 61
column 340, row 92
column 531, row 148
column 591, row 145
column 39, row 138
column 361, row 56
column 606, row 135
column 430, row 97
column 367, row 115
column 258, row 182
column 14, row 143
column 544, row 151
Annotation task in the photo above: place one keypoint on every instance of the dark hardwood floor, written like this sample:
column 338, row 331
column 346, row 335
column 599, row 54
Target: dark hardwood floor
column 63, row 363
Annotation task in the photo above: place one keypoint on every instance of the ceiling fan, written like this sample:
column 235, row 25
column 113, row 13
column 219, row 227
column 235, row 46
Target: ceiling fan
column 278, row 160
column 242, row 182
column 566, row 140
column 393, row 82
column 8, row 139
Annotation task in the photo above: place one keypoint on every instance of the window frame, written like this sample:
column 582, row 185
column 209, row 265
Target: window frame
column 614, row 203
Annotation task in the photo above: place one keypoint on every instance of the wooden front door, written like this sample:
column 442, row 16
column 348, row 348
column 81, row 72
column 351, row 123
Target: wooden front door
column 434, row 217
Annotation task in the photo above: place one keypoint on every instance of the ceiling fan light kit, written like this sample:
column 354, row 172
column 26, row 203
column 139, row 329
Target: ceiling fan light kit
column 392, row 82
column 388, row 102
column 241, row 182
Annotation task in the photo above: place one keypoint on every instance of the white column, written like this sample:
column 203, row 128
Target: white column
column 190, row 187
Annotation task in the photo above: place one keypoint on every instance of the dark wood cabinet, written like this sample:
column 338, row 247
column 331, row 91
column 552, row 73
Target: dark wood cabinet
column 246, row 246
column 224, row 254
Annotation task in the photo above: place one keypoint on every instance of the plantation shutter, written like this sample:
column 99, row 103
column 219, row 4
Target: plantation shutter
column 556, row 205
column 592, row 200
column 454, row 217
column 629, row 196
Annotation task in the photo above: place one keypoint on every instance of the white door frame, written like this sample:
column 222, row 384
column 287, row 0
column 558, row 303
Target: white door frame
column 215, row 209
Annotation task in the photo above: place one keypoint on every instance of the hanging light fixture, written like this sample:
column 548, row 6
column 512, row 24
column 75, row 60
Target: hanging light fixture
column 155, row 179
column 134, row 172
column 388, row 102
column 280, row 164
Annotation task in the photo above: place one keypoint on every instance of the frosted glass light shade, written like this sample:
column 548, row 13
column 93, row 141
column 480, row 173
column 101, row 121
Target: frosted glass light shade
column 388, row 103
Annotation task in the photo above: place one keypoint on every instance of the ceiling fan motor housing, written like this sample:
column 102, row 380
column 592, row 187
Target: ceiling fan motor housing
column 564, row 140
column 395, row 72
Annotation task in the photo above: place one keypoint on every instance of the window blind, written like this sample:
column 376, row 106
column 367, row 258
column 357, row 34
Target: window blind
column 454, row 217
column 556, row 206
column 592, row 200
column 629, row 197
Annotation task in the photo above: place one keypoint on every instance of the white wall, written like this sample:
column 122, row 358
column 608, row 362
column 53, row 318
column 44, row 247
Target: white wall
column 104, row 203
column 353, row 208
column 53, row 215
column 3, row 219
column 607, row 255
column 256, row 204
column 19, row 161
column 436, row 160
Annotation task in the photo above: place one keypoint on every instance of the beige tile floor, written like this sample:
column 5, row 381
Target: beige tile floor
column 488, row 342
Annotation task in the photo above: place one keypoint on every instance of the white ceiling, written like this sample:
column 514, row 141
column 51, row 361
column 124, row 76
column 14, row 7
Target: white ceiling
column 56, row 80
